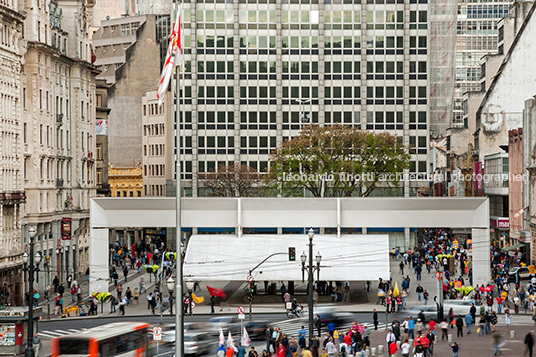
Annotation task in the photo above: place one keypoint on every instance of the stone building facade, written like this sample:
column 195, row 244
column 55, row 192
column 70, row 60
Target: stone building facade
column 12, row 196
column 58, row 125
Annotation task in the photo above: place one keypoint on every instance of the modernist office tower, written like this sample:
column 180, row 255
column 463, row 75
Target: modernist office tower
column 477, row 36
column 257, row 71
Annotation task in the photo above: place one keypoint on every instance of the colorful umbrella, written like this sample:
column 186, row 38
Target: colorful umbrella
column 150, row 269
column 216, row 292
column 171, row 255
column 465, row 289
column 103, row 297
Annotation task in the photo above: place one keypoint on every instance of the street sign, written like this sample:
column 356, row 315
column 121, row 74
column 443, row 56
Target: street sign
column 47, row 287
column 249, row 278
column 193, row 304
column 241, row 316
column 157, row 333
column 439, row 275
column 241, row 310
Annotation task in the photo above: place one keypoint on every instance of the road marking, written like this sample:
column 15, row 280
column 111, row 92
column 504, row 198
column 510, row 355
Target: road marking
column 63, row 331
column 50, row 334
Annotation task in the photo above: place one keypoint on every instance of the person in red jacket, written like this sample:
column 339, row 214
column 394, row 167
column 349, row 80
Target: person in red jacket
column 431, row 325
column 280, row 351
column 348, row 339
column 393, row 347
column 425, row 343
column 229, row 352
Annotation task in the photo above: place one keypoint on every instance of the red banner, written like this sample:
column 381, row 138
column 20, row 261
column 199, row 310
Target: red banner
column 216, row 292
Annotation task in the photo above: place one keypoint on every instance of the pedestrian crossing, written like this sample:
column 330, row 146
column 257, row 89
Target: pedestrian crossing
column 59, row 333
column 291, row 327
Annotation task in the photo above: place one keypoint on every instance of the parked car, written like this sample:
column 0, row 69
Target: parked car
column 522, row 271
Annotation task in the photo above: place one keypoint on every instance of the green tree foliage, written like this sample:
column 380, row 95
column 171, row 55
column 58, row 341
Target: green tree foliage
column 338, row 161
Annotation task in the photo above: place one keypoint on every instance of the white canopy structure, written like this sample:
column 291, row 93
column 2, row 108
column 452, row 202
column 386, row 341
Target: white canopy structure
column 280, row 213
column 227, row 257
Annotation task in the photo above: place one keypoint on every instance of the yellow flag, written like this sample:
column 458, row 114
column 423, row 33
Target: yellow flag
column 198, row 299
column 396, row 291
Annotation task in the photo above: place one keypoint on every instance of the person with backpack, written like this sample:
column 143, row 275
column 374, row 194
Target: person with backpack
column 73, row 292
column 57, row 304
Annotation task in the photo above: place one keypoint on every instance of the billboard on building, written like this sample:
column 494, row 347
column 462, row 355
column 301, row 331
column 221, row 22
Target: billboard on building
column 66, row 228
column 478, row 176
column 101, row 127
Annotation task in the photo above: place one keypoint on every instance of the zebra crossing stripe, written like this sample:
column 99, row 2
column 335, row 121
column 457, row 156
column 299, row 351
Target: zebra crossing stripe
column 50, row 334
column 59, row 333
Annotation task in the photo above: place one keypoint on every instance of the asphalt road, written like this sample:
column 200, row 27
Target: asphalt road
column 290, row 325
column 155, row 320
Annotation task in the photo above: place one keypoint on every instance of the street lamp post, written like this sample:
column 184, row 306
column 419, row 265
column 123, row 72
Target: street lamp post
column 31, row 268
column 190, row 286
column 310, row 270
column 302, row 114
column 171, row 286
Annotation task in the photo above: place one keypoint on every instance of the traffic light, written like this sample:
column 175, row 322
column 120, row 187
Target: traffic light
column 251, row 288
column 291, row 254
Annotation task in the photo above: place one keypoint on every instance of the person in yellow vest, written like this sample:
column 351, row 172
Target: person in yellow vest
column 336, row 337
column 504, row 296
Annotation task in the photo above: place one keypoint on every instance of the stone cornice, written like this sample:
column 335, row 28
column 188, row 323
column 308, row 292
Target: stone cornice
column 12, row 14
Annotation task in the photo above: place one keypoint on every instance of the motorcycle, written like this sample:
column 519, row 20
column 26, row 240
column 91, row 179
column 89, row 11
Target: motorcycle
column 300, row 312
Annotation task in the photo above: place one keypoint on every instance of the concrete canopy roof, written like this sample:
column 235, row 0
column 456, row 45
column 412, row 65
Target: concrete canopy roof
column 419, row 212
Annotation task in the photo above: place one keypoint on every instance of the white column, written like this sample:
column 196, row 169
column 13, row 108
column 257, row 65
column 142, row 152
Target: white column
column 98, row 260
column 407, row 238
column 481, row 252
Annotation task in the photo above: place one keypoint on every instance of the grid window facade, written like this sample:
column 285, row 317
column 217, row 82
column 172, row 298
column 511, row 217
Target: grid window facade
column 255, row 76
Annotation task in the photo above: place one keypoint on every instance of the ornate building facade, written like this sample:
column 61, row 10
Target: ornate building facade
column 58, row 133
column 12, row 195
column 125, row 181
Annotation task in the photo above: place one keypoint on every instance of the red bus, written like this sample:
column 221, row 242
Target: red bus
column 114, row 339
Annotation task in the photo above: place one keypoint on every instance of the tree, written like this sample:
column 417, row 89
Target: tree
column 337, row 161
column 232, row 181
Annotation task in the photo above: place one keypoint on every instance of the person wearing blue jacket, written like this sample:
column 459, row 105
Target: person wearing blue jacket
column 468, row 322
column 411, row 327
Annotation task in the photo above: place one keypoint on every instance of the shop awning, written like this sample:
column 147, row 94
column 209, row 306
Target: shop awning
column 513, row 247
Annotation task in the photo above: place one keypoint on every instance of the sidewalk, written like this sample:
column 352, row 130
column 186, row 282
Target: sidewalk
column 133, row 281
column 428, row 282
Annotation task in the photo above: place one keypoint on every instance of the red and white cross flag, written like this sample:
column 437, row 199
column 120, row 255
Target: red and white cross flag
column 173, row 57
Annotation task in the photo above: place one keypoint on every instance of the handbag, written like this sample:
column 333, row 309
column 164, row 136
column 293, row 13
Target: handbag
column 534, row 317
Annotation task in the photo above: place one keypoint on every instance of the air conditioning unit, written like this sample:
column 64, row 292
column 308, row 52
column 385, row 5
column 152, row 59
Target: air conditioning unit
column 59, row 182
column 59, row 118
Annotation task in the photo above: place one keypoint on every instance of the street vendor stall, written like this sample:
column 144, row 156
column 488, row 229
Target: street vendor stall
column 13, row 329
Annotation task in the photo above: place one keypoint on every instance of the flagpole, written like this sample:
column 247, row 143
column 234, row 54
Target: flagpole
column 179, row 315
